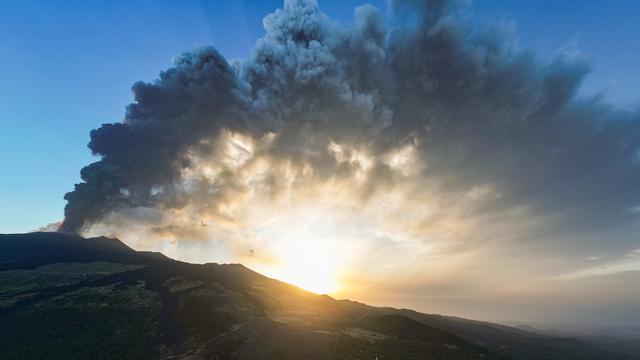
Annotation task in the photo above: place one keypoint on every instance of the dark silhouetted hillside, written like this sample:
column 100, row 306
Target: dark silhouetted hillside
column 67, row 297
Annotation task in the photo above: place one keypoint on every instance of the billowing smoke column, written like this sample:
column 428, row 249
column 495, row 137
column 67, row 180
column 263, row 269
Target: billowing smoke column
column 190, row 102
column 470, row 107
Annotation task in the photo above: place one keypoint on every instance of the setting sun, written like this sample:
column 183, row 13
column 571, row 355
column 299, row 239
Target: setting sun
column 313, row 253
column 312, row 273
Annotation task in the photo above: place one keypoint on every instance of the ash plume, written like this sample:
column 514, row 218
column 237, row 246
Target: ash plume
column 425, row 102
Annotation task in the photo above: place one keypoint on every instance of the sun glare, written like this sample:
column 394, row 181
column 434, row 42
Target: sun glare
column 309, row 254
column 310, row 269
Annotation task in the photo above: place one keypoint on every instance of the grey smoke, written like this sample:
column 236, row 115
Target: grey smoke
column 479, row 110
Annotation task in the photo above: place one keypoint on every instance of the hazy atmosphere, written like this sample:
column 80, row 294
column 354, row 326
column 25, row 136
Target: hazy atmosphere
column 477, row 159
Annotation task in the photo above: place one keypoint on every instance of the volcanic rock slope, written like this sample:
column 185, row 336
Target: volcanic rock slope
column 66, row 297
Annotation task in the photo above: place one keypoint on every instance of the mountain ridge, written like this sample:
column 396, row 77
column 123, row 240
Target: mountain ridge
column 65, row 296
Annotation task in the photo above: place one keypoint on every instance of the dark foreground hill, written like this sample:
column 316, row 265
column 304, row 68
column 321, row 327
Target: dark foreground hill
column 66, row 297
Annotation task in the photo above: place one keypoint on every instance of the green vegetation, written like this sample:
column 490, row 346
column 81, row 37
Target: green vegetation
column 100, row 300
column 110, row 322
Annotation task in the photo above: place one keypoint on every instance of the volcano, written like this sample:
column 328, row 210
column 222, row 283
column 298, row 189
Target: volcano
column 67, row 297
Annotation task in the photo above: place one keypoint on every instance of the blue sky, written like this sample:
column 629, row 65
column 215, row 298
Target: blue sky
column 68, row 67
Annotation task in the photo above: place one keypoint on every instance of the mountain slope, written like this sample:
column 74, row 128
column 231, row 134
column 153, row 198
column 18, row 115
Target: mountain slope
column 66, row 297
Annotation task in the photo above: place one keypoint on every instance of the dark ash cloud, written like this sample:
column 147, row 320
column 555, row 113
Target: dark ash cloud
column 475, row 111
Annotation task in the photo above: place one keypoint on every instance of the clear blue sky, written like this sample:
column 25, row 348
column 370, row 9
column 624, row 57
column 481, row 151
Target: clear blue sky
column 67, row 66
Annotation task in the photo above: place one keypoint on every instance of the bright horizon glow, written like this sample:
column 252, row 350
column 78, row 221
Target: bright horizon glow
column 311, row 273
column 305, row 255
